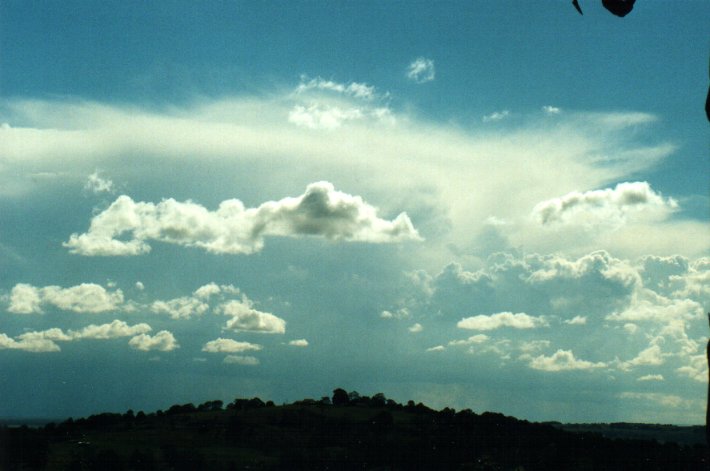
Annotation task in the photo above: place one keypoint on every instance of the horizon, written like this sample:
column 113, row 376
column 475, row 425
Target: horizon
column 494, row 206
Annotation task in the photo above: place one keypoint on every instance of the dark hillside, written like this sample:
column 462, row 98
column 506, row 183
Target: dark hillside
column 347, row 433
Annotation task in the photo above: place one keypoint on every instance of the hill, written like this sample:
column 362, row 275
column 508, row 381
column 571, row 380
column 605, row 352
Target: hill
column 348, row 432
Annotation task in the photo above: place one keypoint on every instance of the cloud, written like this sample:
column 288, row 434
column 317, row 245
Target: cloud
column 115, row 329
column 180, row 308
column 652, row 356
column 233, row 229
column 421, row 70
column 416, row 328
column 45, row 340
column 696, row 369
column 244, row 318
column 83, row 298
column 438, row 348
column 241, row 360
column 475, row 339
column 299, row 343
column 401, row 313
column 29, row 344
column 576, row 320
column 562, row 360
column 96, row 184
column 353, row 89
column 667, row 400
column 650, row 378
column 496, row 116
column 163, row 341
column 502, row 319
column 652, row 307
column 551, row 110
column 608, row 206
column 322, row 117
column 229, row 346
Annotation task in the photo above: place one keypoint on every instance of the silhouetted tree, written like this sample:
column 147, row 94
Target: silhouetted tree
column 340, row 397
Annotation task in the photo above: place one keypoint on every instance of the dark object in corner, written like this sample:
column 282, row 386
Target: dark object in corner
column 576, row 5
column 707, row 105
column 619, row 7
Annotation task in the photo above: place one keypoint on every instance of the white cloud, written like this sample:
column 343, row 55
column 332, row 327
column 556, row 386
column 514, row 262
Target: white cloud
column 229, row 346
column 320, row 211
column 474, row 339
column 401, row 313
column 652, row 307
column 577, row 320
column 652, row 356
column 83, row 298
column 163, row 341
column 140, row 286
column 548, row 109
column 353, row 89
column 45, row 340
column 115, row 329
column 667, row 400
column 438, row 348
column 502, row 319
column 25, row 299
column 241, row 360
column 322, row 116
column 421, row 70
column 651, row 378
column 180, row 308
column 244, row 318
column 608, row 207
column 696, row 369
column 415, row 328
column 299, row 343
column 96, row 184
column 562, row 360
column 496, row 116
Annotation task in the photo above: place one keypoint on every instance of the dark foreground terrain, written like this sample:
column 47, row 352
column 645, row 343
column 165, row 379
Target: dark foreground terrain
column 346, row 432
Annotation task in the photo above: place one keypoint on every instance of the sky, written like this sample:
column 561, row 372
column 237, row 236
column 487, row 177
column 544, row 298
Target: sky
column 501, row 206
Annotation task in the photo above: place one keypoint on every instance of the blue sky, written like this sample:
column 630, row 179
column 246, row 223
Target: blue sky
column 491, row 205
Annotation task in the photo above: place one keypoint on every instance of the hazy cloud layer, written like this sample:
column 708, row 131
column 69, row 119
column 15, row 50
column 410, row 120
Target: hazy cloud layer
column 234, row 229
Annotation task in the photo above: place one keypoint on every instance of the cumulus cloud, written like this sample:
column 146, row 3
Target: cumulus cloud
column 475, row 339
column 180, row 308
column 562, row 360
column 609, row 206
column 299, row 343
column 97, row 184
column 241, row 360
column 502, row 319
column 244, row 318
column 234, row 229
column 115, row 329
column 438, row 348
column 401, row 313
column 576, row 320
column 421, row 70
column 652, row 356
column 163, row 341
column 221, row 345
column 45, row 340
column 416, row 328
column 548, row 109
column 83, row 298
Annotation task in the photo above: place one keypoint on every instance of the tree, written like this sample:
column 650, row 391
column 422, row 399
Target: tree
column 340, row 397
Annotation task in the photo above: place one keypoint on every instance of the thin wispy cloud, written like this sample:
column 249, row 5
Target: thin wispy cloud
column 421, row 70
